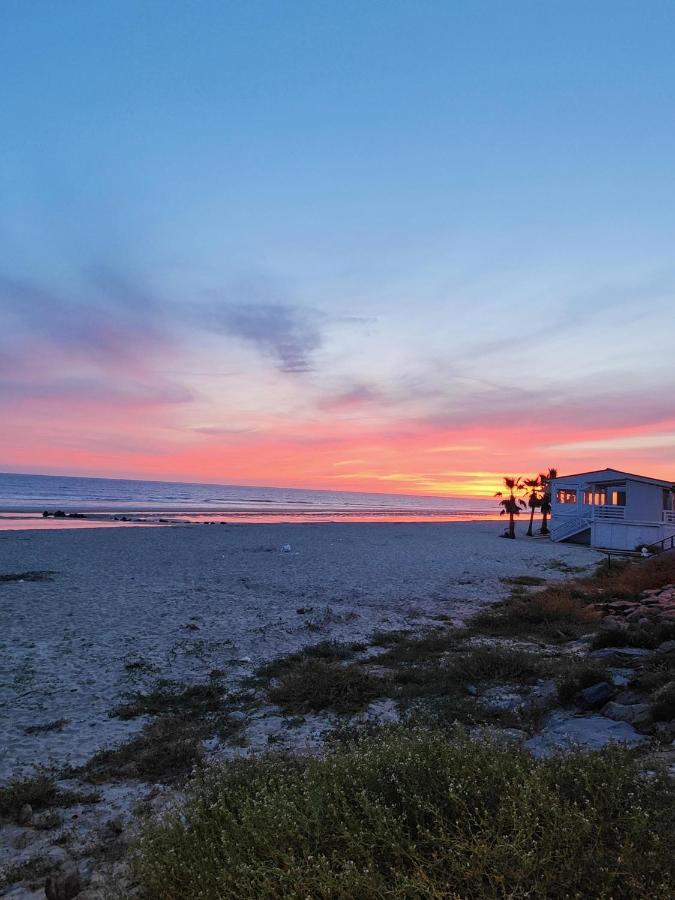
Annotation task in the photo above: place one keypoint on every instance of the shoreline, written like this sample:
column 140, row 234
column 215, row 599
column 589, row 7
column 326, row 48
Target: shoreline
column 32, row 520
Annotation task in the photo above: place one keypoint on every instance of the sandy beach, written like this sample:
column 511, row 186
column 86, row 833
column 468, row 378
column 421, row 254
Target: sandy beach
column 180, row 602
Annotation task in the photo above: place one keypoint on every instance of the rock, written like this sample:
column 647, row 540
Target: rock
column 630, row 696
column 502, row 697
column 56, row 855
column 64, row 886
column 637, row 652
column 666, row 647
column 633, row 713
column 25, row 814
column 46, row 820
column 620, row 677
column 597, row 695
column 564, row 731
column 543, row 694
column 612, row 622
column 22, row 841
column 665, row 731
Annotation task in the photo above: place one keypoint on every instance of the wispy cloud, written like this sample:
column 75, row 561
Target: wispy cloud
column 289, row 334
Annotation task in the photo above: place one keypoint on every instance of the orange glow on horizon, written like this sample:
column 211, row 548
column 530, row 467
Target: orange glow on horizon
column 417, row 459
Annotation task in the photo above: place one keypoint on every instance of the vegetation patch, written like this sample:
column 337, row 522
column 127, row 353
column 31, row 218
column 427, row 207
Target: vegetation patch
column 315, row 684
column 556, row 614
column 408, row 647
column 43, row 575
column 164, row 752
column 32, row 870
column 647, row 636
column 328, row 651
column 417, row 815
column 56, row 725
column 170, row 698
column 627, row 580
column 142, row 666
column 524, row 580
column 663, row 703
column 577, row 675
column 40, row 793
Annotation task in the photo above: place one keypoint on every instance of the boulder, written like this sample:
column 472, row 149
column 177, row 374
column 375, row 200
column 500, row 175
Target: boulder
column 597, row 695
column 633, row 713
column 604, row 652
column 564, row 731
column 64, row 886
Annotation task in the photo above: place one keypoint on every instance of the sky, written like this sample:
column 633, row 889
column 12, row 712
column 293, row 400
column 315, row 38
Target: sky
column 404, row 247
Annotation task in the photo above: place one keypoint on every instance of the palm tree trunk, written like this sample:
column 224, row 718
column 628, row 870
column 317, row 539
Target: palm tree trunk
column 544, row 523
column 512, row 526
column 529, row 527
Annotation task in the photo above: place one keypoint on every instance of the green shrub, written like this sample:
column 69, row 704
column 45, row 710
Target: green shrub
column 169, row 698
column 405, row 646
column 330, row 651
column 39, row 792
column 579, row 676
column 317, row 685
column 415, row 815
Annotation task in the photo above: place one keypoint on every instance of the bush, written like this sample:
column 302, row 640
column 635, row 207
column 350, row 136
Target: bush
column 316, row 685
column 579, row 676
column 556, row 613
column 416, row 815
column 329, row 651
column 647, row 636
column 40, row 792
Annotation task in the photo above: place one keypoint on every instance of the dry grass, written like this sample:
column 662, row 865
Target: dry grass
column 558, row 613
column 627, row 581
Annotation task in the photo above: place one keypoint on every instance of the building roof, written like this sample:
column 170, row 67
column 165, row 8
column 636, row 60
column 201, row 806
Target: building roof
column 612, row 474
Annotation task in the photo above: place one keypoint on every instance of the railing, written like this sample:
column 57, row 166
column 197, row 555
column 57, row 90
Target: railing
column 609, row 512
column 665, row 545
column 669, row 516
column 568, row 528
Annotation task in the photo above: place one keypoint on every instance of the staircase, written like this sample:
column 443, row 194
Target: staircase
column 569, row 528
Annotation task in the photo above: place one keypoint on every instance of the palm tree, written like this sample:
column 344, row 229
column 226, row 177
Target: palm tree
column 511, row 505
column 546, row 479
column 533, row 488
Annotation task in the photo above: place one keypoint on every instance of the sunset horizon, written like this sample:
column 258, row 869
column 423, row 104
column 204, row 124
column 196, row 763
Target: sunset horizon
column 337, row 449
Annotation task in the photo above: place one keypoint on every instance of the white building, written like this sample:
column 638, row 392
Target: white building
column 612, row 510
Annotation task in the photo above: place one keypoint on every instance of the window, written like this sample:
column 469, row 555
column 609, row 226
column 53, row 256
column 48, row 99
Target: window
column 566, row 496
column 595, row 498
column 618, row 498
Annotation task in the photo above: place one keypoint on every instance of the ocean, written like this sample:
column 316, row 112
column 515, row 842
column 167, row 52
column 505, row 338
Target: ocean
column 24, row 497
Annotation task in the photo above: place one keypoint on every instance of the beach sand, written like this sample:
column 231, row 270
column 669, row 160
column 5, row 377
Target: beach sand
column 182, row 601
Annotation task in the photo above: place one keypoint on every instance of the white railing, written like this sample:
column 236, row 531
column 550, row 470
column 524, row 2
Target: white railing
column 669, row 516
column 569, row 527
column 609, row 512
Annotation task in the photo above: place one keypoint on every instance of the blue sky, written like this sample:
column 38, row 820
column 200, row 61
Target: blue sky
column 415, row 221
